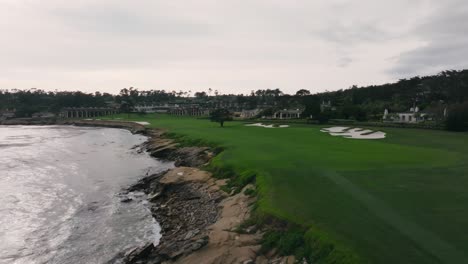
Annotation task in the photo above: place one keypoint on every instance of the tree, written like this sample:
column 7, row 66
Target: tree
column 200, row 94
column 126, row 107
column 324, row 116
column 221, row 115
column 302, row 92
column 457, row 119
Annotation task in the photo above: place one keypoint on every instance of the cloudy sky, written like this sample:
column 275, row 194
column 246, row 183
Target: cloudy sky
column 231, row 46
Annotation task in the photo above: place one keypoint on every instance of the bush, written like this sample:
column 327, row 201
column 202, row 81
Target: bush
column 457, row 119
column 323, row 117
column 289, row 242
column 250, row 192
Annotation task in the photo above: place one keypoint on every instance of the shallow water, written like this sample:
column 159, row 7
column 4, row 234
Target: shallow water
column 59, row 194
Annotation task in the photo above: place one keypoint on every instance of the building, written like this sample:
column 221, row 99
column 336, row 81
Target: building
column 413, row 116
column 163, row 108
column 86, row 112
column 287, row 114
column 324, row 106
column 189, row 111
column 247, row 114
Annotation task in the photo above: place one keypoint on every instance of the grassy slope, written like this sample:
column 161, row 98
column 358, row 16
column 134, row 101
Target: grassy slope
column 398, row 200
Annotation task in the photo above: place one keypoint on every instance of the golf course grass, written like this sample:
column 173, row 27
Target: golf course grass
column 402, row 199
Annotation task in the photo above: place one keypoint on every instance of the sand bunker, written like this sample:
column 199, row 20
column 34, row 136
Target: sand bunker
column 142, row 123
column 267, row 126
column 136, row 122
column 355, row 133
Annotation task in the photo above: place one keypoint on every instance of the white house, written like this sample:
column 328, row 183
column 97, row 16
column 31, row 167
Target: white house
column 287, row 114
column 327, row 106
column 413, row 116
column 246, row 114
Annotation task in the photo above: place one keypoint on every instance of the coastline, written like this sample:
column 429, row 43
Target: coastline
column 197, row 219
column 199, row 222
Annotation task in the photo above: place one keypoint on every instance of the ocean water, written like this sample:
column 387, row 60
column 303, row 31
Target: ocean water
column 60, row 194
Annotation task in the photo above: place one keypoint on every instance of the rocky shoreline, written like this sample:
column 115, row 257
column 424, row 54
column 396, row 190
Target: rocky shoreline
column 197, row 218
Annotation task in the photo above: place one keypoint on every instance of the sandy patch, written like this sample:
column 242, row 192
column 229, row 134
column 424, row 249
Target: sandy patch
column 267, row 126
column 136, row 122
column 142, row 123
column 354, row 133
column 334, row 129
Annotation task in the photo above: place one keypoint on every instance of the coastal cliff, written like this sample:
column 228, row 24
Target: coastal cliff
column 198, row 219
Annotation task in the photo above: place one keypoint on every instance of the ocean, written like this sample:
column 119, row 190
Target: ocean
column 61, row 195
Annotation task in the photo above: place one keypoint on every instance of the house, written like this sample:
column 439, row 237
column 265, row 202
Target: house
column 412, row 116
column 287, row 114
column 324, row 106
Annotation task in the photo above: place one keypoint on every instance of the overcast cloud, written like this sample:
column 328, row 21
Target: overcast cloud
column 231, row 46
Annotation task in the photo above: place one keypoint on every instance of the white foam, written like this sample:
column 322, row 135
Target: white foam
column 354, row 133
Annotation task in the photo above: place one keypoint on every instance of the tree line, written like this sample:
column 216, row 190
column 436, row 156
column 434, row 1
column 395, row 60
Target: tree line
column 432, row 94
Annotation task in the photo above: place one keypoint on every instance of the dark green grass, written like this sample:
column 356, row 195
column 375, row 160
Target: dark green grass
column 403, row 199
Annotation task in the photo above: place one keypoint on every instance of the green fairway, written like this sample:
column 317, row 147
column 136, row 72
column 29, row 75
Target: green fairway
column 402, row 199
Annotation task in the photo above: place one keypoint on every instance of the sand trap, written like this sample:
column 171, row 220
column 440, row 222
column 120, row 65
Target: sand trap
column 334, row 129
column 142, row 123
column 355, row 133
column 267, row 126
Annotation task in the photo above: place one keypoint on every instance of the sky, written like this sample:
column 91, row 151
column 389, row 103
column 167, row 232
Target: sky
column 229, row 46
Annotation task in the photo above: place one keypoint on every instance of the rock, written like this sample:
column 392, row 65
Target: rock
column 261, row 260
column 199, row 243
column 251, row 229
column 191, row 234
column 138, row 253
column 152, row 196
column 196, row 246
column 249, row 261
column 126, row 200
column 271, row 253
column 290, row 260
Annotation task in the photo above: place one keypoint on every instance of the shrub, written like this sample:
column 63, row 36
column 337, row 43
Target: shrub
column 250, row 192
column 323, row 117
column 457, row 119
column 286, row 242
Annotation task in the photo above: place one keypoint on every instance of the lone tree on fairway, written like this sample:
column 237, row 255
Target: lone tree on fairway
column 220, row 115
